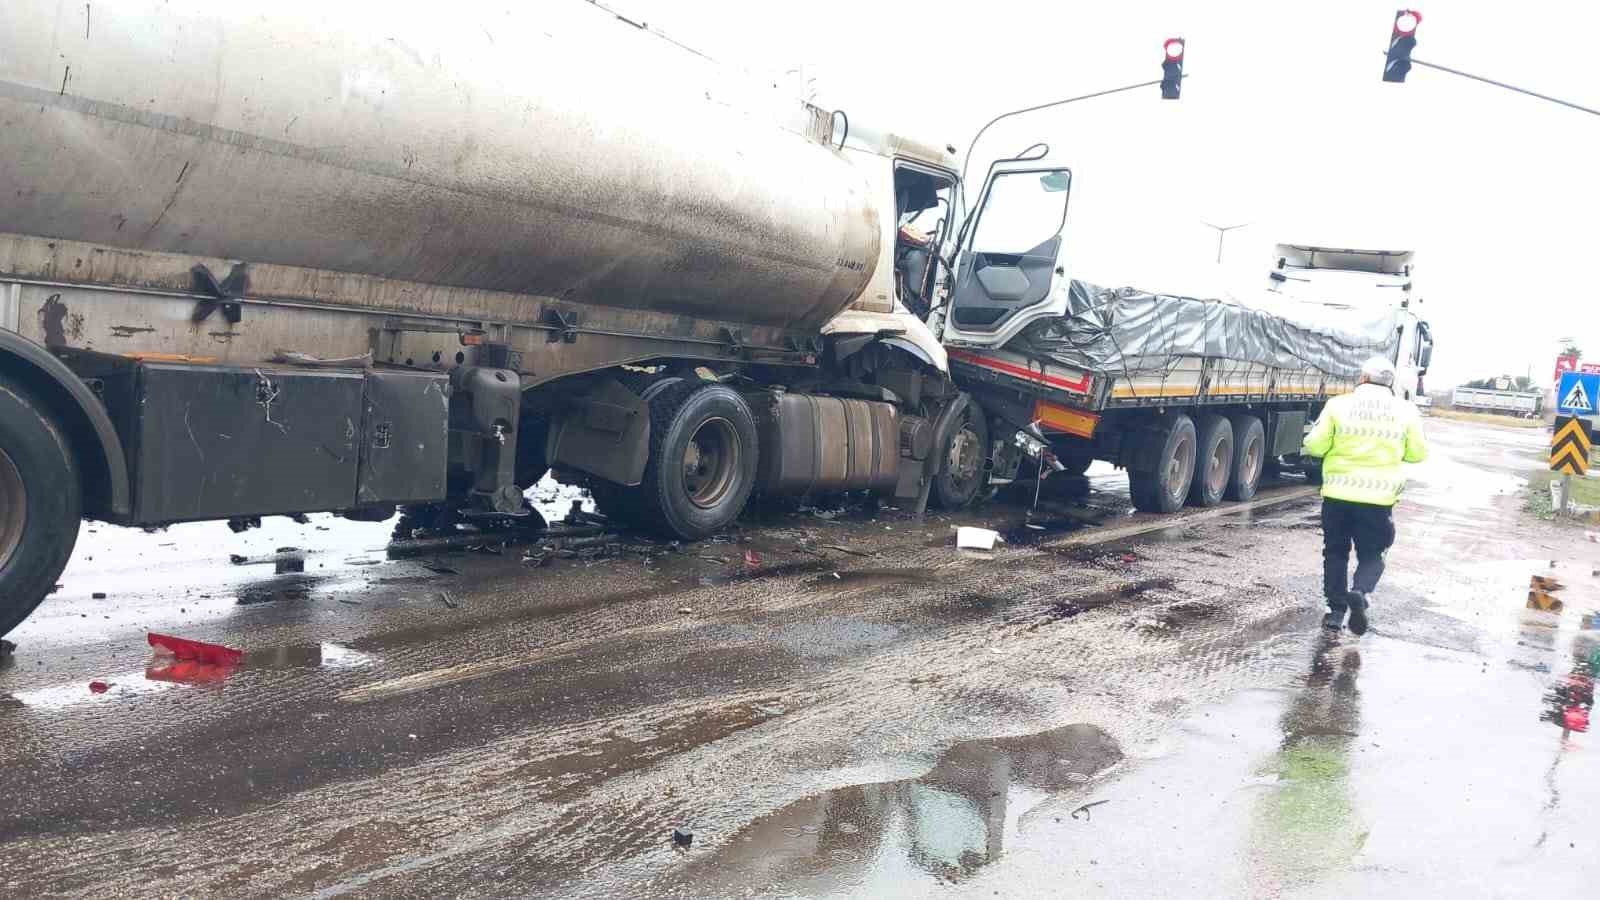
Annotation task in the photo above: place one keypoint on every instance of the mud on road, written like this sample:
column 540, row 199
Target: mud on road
column 831, row 702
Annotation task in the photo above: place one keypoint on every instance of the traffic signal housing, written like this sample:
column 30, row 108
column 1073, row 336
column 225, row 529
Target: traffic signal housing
column 1171, row 68
column 1401, row 41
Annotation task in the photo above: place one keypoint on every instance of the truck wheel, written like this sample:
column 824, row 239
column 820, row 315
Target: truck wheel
column 1164, row 488
column 1213, row 461
column 702, row 464
column 40, row 504
column 1249, row 457
column 963, row 475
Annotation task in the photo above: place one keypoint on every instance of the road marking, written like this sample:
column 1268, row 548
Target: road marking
column 1101, row 536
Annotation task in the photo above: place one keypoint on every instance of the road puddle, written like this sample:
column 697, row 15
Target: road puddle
column 165, row 672
column 941, row 827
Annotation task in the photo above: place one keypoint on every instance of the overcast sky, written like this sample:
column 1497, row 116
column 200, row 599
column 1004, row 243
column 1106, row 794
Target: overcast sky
column 1284, row 123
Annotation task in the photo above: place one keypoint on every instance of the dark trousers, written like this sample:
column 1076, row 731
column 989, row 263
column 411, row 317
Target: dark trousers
column 1367, row 527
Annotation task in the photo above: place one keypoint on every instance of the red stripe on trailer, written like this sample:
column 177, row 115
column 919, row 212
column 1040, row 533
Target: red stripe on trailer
column 1080, row 386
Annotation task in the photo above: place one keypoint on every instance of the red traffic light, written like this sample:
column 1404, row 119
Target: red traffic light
column 1406, row 22
column 1173, row 47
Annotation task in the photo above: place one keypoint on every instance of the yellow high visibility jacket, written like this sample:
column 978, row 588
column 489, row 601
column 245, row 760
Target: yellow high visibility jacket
column 1363, row 438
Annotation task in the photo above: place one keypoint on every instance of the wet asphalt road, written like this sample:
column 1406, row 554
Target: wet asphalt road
column 834, row 704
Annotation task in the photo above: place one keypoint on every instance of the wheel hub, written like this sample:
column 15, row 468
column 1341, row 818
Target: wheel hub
column 1179, row 468
column 13, row 508
column 711, row 462
column 1217, row 471
column 964, row 455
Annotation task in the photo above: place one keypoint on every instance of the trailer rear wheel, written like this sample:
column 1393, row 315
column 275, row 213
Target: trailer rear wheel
column 40, row 504
column 963, row 475
column 702, row 463
column 1249, row 456
column 1213, row 461
column 1163, row 489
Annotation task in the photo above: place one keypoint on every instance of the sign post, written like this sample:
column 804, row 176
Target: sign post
column 1569, row 456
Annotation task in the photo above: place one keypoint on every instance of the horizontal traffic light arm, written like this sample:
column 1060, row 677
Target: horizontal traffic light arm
column 1509, row 87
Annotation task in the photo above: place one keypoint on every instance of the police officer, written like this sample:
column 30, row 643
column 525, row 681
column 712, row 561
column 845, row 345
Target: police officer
column 1362, row 437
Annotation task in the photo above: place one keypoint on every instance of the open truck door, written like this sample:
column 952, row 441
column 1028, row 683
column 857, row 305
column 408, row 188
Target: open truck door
column 1009, row 269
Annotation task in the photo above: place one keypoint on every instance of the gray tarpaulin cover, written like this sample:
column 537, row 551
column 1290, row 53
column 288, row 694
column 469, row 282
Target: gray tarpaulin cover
column 1127, row 330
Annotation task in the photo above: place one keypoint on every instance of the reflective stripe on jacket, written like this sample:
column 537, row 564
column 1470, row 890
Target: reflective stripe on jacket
column 1363, row 437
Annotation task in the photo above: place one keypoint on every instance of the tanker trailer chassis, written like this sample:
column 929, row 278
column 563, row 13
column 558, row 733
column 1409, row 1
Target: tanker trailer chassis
column 190, row 398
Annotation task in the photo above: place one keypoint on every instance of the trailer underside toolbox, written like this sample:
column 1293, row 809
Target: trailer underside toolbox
column 209, row 442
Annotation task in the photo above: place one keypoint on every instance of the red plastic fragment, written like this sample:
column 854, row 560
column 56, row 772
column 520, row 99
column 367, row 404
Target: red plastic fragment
column 98, row 687
column 752, row 558
column 199, row 651
column 188, row 672
column 1129, row 557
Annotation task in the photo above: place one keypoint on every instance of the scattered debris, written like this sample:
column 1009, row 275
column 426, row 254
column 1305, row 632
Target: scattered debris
column 98, row 595
column 7, row 648
column 449, row 600
column 970, row 538
column 684, row 610
column 290, row 560
column 238, row 559
column 752, row 558
column 1129, row 558
column 349, row 602
column 682, row 838
column 199, row 651
column 1086, row 807
column 441, row 569
column 98, row 687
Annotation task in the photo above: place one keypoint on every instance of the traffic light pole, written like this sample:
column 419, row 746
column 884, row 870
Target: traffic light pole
column 1054, row 103
column 1509, row 87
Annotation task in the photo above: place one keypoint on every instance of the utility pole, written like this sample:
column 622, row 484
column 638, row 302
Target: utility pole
column 1221, row 231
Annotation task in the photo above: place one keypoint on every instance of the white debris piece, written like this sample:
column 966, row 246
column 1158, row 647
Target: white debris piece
column 970, row 538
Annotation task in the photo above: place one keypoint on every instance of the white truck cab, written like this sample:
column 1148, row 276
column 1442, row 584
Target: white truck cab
column 1364, row 280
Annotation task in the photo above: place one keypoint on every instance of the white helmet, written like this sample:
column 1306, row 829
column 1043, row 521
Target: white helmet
column 1377, row 370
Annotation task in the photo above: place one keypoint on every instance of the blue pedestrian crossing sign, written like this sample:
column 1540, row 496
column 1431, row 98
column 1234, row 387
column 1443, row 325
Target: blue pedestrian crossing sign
column 1577, row 393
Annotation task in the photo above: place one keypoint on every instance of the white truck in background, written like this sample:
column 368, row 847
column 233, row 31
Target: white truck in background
column 1362, row 279
column 1526, row 404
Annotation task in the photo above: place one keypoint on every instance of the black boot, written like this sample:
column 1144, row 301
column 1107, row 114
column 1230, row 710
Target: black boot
column 1358, row 613
column 1334, row 620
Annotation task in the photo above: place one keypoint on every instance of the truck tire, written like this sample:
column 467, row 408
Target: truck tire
column 962, row 477
column 1249, row 456
column 1163, row 488
column 702, row 463
column 41, row 501
column 1213, row 461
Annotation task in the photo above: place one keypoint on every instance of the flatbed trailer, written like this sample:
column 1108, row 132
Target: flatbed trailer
column 1201, row 431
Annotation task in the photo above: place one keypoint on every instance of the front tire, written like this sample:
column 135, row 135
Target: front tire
column 962, row 477
column 1163, row 488
column 41, row 502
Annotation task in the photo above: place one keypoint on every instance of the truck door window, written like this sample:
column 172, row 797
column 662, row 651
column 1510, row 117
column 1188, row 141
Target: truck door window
column 1021, row 211
column 1008, row 259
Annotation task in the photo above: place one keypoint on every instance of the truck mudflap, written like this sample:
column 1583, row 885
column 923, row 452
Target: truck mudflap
column 1062, row 384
